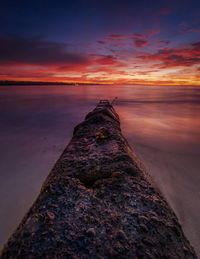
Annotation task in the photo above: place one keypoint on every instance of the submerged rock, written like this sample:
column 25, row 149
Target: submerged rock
column 98, row 202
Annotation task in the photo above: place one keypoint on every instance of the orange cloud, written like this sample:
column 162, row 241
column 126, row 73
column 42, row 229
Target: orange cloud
column 117, row 61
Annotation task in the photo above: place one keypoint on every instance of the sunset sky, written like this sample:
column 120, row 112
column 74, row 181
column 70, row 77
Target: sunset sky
column 97, row 41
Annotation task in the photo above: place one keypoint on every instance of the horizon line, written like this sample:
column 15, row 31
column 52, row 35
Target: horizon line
column 29, row 82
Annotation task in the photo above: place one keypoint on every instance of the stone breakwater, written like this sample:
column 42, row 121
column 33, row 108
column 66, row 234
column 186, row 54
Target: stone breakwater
column 98, row 202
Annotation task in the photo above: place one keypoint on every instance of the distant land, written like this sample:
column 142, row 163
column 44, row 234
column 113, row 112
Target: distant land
column 7, row 82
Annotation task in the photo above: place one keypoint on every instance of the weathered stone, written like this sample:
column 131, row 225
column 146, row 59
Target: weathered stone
column 91, row 232
column 98, row 202
column 50, row 215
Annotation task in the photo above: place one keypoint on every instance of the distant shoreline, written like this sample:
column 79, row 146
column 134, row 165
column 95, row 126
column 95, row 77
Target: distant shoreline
column 20, row 83
column 7, row 82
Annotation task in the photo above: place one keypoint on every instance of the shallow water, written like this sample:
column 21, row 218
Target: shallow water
column 161, row 124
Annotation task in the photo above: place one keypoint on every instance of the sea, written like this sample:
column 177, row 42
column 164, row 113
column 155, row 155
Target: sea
column 161, row 123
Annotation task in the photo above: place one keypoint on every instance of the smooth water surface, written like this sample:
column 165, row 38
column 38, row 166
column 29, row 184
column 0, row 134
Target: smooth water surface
column 162, row 124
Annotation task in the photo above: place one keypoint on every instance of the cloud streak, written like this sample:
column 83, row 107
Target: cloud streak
column 16, row 49
column 174, row 57
column 141, row 58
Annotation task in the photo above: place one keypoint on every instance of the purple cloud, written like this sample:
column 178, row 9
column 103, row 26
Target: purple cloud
column 16, row 49
column 140, row 43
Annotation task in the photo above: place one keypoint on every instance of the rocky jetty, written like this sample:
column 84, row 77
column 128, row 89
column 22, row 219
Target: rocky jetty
column 98, row 202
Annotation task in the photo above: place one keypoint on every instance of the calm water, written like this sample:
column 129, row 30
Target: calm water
column 162, row 124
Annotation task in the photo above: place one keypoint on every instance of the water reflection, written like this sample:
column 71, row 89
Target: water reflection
column 166, row 126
